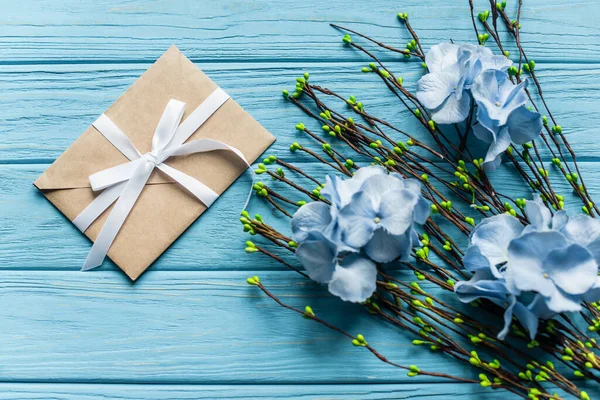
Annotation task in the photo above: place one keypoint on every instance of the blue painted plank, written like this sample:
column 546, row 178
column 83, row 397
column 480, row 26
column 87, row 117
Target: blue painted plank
column 91, row 31
column 43, row 109
column 196, row 328
column 189, row 327
column 30, row 225
column 440, row 391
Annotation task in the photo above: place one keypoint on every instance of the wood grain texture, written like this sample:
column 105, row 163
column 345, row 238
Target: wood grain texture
column 273, row 30
column 44, row 108
column 441, row 391
column 191, row 327
column 185, row 328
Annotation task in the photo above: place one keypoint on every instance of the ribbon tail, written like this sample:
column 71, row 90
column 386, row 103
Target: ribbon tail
column 202, row 192
column 119, row 213
column 98, row 206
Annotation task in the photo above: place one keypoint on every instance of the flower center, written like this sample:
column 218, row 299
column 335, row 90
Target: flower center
column 546, row 276
column 377, row 220
column 498, row 104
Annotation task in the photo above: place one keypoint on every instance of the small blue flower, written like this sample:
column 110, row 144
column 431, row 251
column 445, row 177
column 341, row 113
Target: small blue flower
column 497, row 97
column 453, row 70
column 380, row 217
column 349, row 276
column 502, row 117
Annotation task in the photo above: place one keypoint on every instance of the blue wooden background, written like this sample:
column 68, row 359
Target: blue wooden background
column 191, row 327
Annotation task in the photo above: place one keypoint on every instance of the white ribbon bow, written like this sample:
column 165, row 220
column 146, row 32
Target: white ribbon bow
column 125, row 182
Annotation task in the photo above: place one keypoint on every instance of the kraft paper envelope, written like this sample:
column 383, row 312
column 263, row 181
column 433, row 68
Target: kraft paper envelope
column 164, row 209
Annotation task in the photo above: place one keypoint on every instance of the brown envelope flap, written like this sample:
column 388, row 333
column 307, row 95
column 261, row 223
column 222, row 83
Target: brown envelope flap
column 137, row 113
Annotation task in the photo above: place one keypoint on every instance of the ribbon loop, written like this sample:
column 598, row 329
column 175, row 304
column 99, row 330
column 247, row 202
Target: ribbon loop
column 124, row 183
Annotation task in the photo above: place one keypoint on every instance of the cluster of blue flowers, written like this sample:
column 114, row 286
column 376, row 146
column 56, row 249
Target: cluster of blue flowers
column 462, row 77
column 534, row 271
column 370, row 219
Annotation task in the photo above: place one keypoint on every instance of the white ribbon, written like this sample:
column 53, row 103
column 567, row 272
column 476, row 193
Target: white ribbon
column 125, row 182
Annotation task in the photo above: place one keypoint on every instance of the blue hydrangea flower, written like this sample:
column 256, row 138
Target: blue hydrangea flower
column 553, row 262
column 445, row 90
column 380, row 217
column 502, row 117
column 497, row 97
column 318, row 216
column 351, row 277
column 322, row 230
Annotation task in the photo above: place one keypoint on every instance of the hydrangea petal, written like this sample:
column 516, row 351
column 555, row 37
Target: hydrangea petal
column 413, row 185
column 354, row 279
column 315, row 216
column 572, row 268
column 539, row 308
column 340, row 191
column 516, row 96
column 524, row 125
column 498, row 62
column 434, row 88
column 485, row 90
column 497, row 292
column 475, row 261
column 584, row 230
column 357, row 220
column 453, row 110
column 441, row 56
column 507, row 318
column 366, row 172
column 472, row 51
column 385, row 247
column 493, row 156
column 421, row 212
column 559, row 220
column 493, row 236
column 469, row 291
column 594, row 293
column 317, row 256
column 560, row 302
column 527, row 318
column 378, row 186
column 396, row 211
column 484, row 133
column 538, row 214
